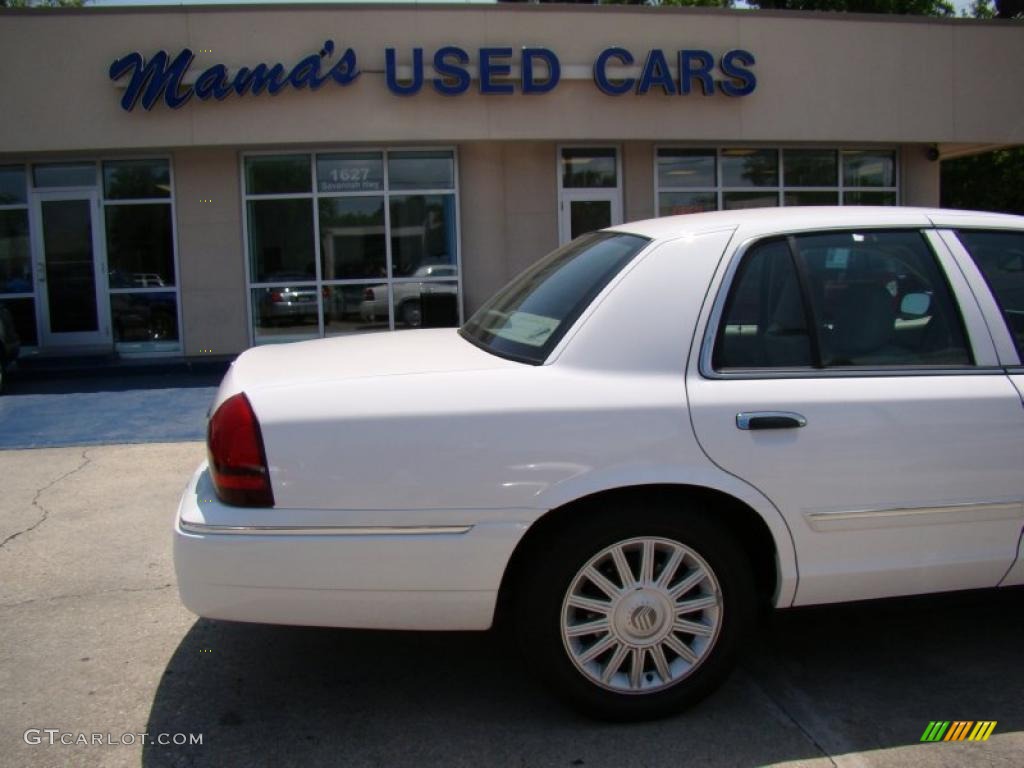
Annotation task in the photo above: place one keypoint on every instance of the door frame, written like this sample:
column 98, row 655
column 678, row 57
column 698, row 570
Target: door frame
column 568, row 195
column 48, row 339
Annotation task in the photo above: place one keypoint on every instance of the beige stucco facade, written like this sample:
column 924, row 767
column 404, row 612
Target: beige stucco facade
column 832, row 81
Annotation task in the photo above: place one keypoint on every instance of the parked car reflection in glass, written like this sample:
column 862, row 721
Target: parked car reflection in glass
column 411, row 300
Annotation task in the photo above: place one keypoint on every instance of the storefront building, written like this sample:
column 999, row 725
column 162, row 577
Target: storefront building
column 192, row 181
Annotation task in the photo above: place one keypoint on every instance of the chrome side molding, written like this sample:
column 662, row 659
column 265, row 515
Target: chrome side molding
column 324, row 530
column 903, row 517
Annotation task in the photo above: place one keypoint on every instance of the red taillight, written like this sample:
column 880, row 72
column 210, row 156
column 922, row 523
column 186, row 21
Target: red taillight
column 276, row 297
column 369, row 295
column 238, row 462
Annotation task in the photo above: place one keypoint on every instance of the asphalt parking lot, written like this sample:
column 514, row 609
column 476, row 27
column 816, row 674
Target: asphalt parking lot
column 93, row 640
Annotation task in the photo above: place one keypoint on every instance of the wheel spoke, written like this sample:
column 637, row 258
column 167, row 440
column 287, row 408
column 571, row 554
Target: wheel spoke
column 622, row 565
column 691, row 628
column 587, row 604
column 621, row 651
column 596, row 649
column 681, row 649
column 660, row 663
column 669, row 571
column 687, row 584
column 588, row 628
column 601, row 582
column 697, row 604
column 636, row 667
column 647, row 563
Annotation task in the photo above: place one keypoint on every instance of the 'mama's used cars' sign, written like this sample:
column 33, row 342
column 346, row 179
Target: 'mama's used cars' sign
column 166, row 78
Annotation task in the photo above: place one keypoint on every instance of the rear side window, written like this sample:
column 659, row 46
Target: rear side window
column 1000, row 257
column 765, row 323
column 841, row 299
column 527, row 318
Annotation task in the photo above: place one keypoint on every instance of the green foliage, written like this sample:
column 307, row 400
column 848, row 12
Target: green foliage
column 41, row 3
column 685, row 3
column 980, row 9
column 909, row 7
column 993, row 181
column 696, row 3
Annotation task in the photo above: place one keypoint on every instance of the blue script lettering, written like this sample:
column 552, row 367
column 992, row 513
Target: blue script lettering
column 162, row 77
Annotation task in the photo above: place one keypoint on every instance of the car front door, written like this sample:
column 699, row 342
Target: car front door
column 849, row 376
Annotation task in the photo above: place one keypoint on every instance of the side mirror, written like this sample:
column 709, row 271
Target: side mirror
column 915, row 304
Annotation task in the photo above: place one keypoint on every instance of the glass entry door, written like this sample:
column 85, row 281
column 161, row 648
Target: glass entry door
column 70, row 274
column 587, row 211
column 590, row 190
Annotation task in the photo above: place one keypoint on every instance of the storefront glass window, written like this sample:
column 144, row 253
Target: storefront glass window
column 64, row 175
column 422, row 234
column 869, row 198
column 16, row 283
column 750, row 168
column 421, row 170
column 352, row 240
column 12, row 185
column 732, row 201
column 675, row 203
column 687, row 168
column 810, row 167
column 281, row 240
column 373, row 246
column 145, row 318
column 138, row 216
column 589, row 167
column 869, row 168
column 277, row 174
column 136, row 179
column 15, row 253
column 691, row 180
column 140, row 246
column 23, row 311
column 351, row 172
column 811, row 197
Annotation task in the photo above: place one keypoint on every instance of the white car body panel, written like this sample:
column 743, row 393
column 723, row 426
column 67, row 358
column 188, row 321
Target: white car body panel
column 396, row 438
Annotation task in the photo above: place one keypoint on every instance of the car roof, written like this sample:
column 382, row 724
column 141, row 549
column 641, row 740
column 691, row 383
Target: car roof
column 754, row 221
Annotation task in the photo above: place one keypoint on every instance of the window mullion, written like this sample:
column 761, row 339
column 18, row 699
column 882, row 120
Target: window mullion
column 803, row 279
column 317, row 270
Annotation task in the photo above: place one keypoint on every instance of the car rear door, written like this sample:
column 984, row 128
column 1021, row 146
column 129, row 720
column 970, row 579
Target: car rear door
column 992, row 259
column 850, row 377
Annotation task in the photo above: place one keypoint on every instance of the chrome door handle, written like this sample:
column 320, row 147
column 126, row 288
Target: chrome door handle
column 770, row 420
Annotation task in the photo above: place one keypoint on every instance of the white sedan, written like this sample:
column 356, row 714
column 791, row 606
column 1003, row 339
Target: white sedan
column 648, row 433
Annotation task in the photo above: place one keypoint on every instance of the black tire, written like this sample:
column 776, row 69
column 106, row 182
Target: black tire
column 412, row 314
column 556, row 566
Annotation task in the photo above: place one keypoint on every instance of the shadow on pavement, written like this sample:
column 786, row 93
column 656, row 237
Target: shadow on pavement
column 834, row 679
column 112, row 380
column 151, row 406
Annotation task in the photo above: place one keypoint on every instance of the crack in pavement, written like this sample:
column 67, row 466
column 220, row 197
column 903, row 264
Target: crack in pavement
column 35, row 499
column 85, row 594
column 775, row 702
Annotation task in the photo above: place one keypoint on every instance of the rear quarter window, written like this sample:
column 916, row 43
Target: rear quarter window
column 999, row 256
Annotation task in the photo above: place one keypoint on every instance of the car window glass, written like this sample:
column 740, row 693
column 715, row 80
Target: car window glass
column 880, row 299
column 877, row 299
column 527, row 318
column 1000, row 257
column 764, row 325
